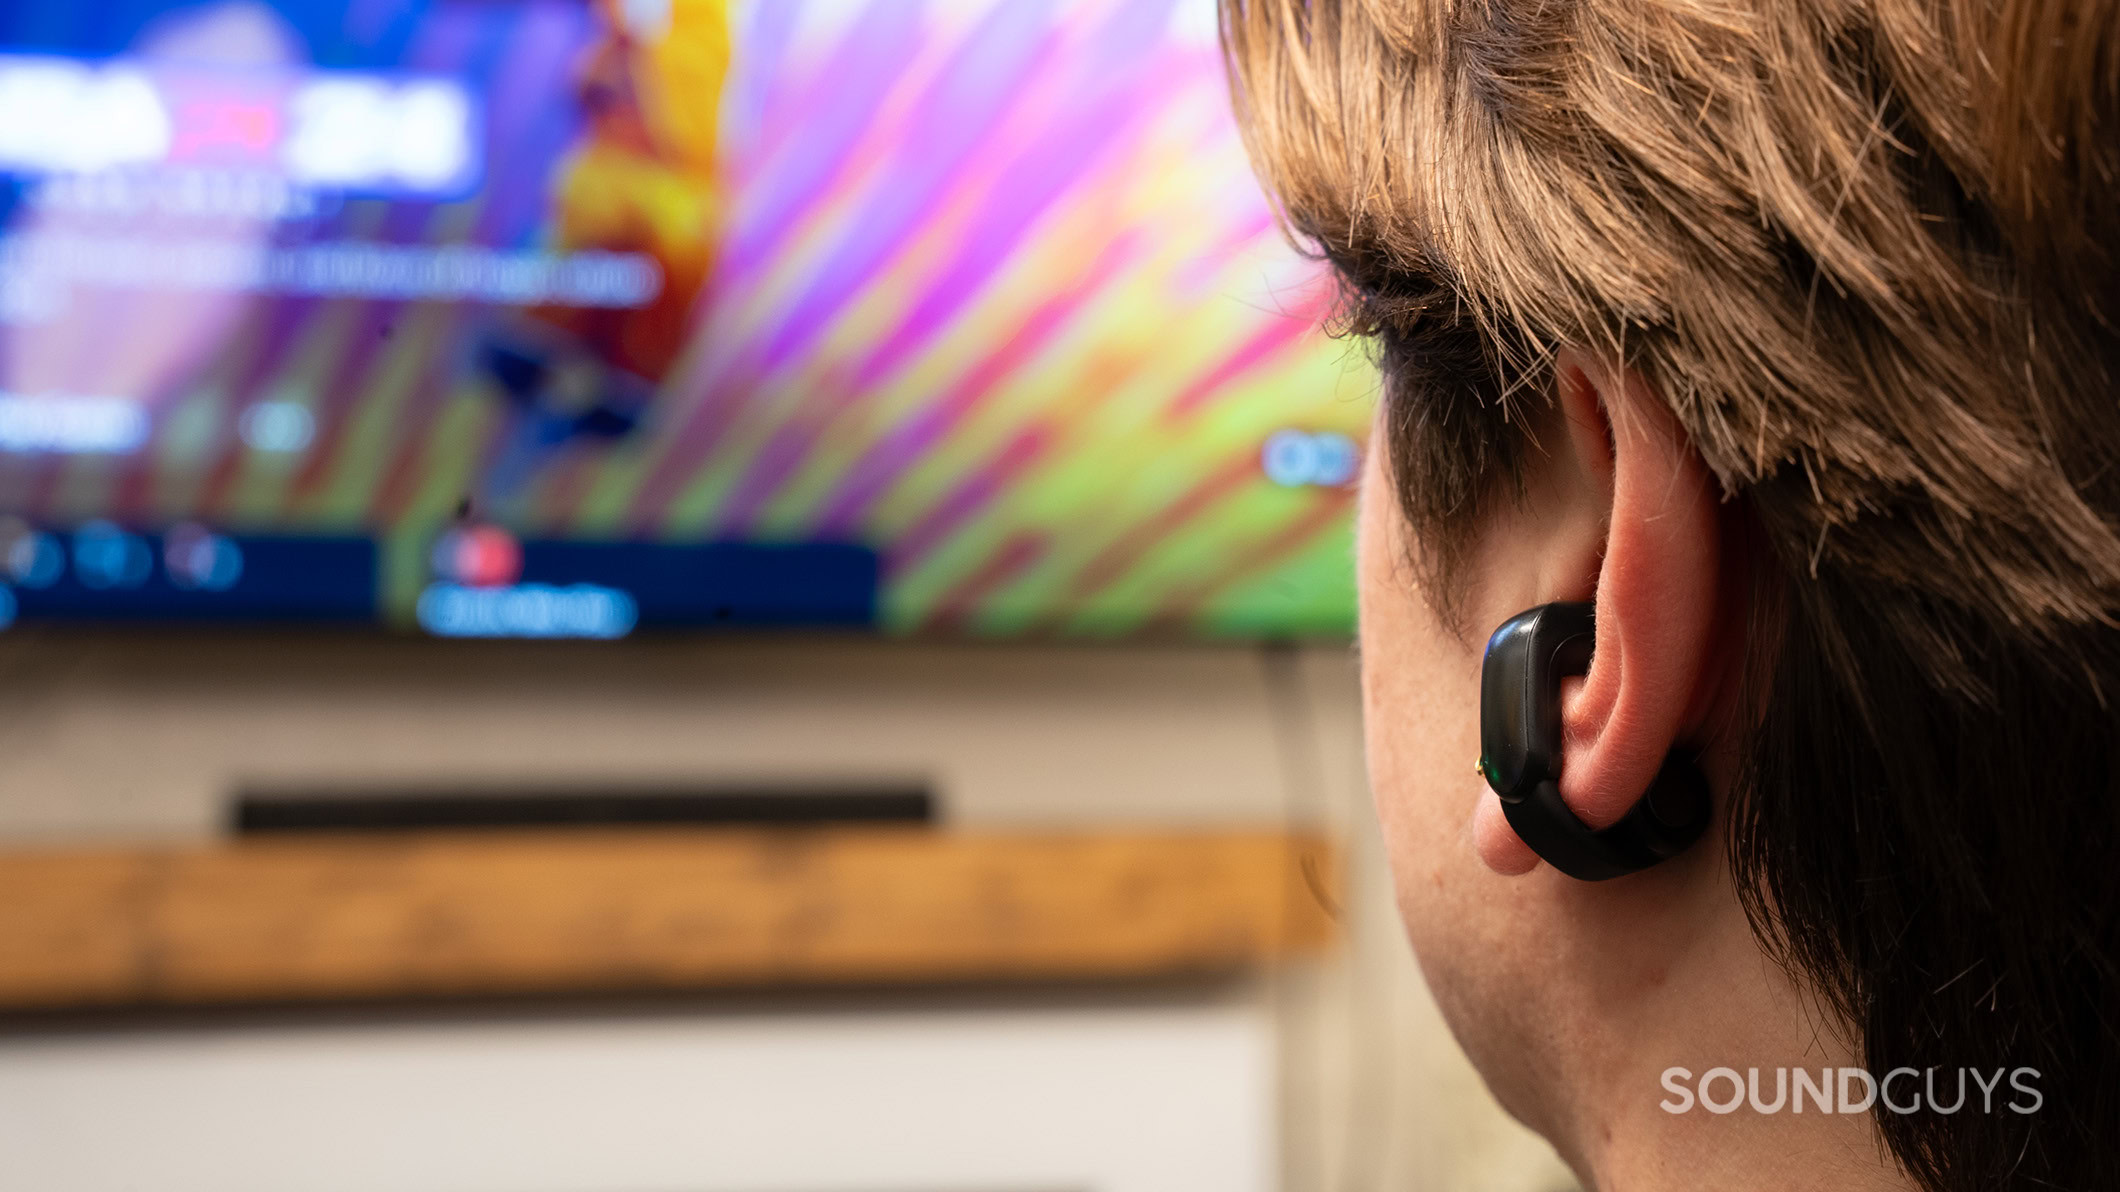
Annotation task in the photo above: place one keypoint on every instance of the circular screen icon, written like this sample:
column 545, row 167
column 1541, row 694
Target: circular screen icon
column 198, row 559
column 29, row 558
column 1300, row 459
column 108, row 557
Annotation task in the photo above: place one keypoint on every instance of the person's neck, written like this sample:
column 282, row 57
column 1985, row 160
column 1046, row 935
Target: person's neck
column 1722, row 1004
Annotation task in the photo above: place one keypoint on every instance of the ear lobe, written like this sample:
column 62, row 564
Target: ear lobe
column 1657, row 589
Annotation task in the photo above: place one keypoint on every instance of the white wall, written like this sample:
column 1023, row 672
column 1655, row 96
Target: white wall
column 144, row 736
column 128, row 736
column 1096, row 1098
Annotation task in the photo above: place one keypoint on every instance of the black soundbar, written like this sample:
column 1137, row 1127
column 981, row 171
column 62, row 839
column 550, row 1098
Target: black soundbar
column 404, row 809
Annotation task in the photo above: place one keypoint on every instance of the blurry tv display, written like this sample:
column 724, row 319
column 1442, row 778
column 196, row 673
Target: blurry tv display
column 562, row 318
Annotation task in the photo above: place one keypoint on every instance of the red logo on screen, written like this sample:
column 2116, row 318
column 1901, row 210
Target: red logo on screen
column 478, row 557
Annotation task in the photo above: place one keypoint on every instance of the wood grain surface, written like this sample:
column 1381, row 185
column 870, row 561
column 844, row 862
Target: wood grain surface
column 548, row 912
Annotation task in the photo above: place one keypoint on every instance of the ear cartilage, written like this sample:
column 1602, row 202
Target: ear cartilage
column 1520, row 754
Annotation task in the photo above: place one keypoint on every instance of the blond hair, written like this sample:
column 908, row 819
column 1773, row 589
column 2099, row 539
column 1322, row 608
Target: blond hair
column 1822, row 229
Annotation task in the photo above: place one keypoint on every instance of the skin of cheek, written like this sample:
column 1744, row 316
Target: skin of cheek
column 1478, row 935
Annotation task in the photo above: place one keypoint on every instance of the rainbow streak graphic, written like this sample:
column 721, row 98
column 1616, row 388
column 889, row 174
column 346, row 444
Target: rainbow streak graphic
column 993, row 290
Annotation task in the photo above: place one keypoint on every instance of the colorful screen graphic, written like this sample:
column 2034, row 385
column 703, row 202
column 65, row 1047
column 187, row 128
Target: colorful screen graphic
column 562, row 317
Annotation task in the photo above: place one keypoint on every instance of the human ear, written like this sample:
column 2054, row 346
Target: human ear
column 1648, row 548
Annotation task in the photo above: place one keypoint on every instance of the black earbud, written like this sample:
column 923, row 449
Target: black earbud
column 1520, row 754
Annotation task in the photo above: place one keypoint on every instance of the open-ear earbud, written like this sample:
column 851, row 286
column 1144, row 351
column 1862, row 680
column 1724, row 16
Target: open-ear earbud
column 1520, row 754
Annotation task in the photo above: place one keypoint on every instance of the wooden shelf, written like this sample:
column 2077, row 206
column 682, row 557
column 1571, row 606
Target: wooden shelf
column 550, row 912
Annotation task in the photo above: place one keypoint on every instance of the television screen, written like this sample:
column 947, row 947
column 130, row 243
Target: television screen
column 562, row 318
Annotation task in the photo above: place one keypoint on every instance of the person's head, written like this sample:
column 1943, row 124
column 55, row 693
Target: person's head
column 1789, row 332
